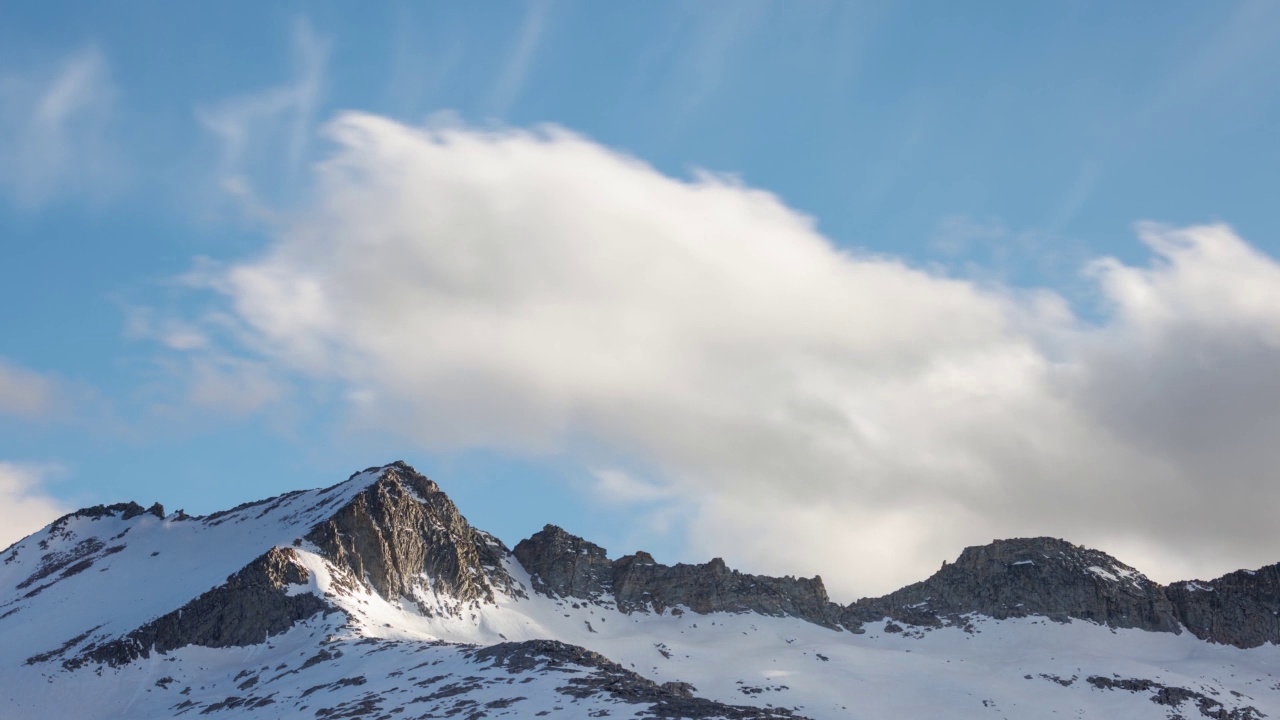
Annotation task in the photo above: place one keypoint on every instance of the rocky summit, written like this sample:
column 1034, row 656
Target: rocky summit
column 1054, row 579
column 376, row 598
column 1029, row 577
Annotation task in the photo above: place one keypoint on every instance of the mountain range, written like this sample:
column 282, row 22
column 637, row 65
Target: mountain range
column 375, row 598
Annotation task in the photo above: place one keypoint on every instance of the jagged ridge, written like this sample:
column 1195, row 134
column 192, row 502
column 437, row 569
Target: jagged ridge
column 568, row 566
column 404, row 539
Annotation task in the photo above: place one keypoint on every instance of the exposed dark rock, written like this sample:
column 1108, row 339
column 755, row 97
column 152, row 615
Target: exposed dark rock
column 126, row 511
column 53, row 562
column 402, row 527
column 567, row 566
column 365, row 707
column 1174, row 697
column 502, row 703
column 639, row 583
column 669, row 700
column 250, row 607
column 344, row 682
column 1241, row 608
column 1023, row 577
column 323, row 656
column 60, row 651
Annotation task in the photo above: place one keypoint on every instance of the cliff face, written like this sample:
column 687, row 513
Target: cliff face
column 405, row 538
column 568, row 566
column 1029, row 576
column 640, row 583
column 1240, row 608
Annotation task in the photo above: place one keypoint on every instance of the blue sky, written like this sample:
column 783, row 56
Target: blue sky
column 153, row 157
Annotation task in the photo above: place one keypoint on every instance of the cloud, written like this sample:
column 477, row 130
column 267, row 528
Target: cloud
column 956, row 234
column 27, row 394
column 24, row 509
column 510, row 83
column 54, row 130
column 198, row 375
column 614, row 486
column 145, row 323
column 264, row 134
column 812, row 409
column 720, row 34
column 231, row 385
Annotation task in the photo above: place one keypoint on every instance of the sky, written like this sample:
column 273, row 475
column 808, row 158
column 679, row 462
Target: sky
column 830, row 288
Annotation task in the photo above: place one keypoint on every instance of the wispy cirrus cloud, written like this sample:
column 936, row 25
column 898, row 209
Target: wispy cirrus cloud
column 55, row 130
column 264, row 134
column 510, row 82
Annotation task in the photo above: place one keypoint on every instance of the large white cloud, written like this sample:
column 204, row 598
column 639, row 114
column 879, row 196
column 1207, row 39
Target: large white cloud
column 820, row 411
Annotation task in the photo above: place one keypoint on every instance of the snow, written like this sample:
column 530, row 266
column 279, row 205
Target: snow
column 944, row 672
column 739, row 659
column 408, row 652
column 1102, row 573
column 170, row 561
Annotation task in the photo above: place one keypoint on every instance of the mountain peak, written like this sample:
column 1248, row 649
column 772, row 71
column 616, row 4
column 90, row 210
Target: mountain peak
column 1019, row 577
column 374, row 595
column 1040, row 553
column 403, row 536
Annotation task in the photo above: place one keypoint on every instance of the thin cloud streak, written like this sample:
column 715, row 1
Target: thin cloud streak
column 510, row 83
column 55, row 130
column 250, row 127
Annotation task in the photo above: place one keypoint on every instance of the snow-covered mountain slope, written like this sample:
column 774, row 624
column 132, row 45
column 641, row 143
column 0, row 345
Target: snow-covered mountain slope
column 375, row 598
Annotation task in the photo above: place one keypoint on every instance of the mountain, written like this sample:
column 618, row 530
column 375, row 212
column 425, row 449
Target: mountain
column 375, row 598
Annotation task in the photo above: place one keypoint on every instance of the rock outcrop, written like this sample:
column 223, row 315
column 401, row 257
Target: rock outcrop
column 1028, row 576
column 126, row 511
column 1240, row 608
column 1177, row 698
column 669, row 700
column 639, row 583
column 406, row 538
column 253, row 605
column 565, row 565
